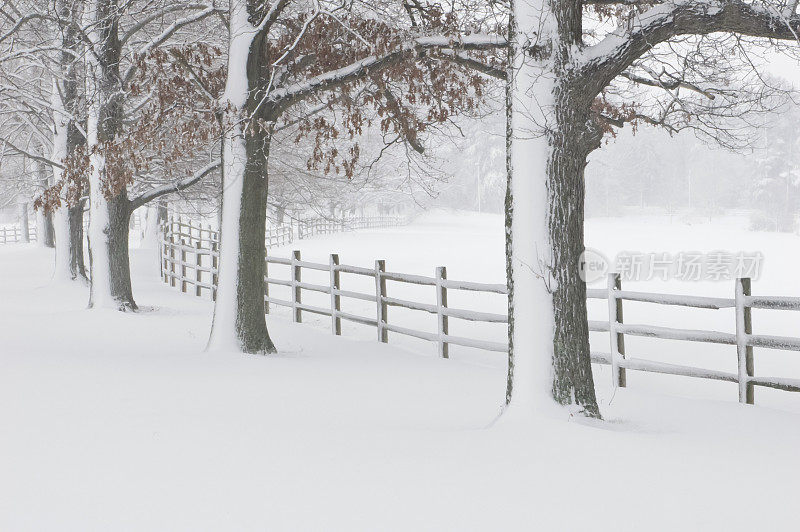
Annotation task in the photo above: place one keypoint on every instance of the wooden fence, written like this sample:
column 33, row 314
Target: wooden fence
column 10, row 234
column 13, row 233
column 189, row 258
column 743, row 302
column 324, row 226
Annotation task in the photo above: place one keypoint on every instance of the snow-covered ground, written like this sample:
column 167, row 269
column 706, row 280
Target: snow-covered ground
column 112, row 421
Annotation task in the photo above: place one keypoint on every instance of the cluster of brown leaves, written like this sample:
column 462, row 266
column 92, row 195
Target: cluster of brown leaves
column 176, row 121
column 73, row 184
column 403, row 99
column 179, row 119
column 613, row 114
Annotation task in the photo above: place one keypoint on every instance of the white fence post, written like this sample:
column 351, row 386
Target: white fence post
column 336, row 303
column 172, row 252
column 617, row 339
column 183, row 265
column 198, row 271
column 162, row 251
column 266, row 283
column 296, row 292
column 214, row 265
column 380, row 295
column 744, row 352
column 441, row 304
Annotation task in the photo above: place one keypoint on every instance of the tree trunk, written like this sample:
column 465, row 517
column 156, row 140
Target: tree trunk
column 109, row 218
column 239, row 320
column 44, row 218
column 67, row 220
column 572, row 380
column 44, row 230
column 549, row 355
column 24, row 226
column 109, row 259
column 77, row 264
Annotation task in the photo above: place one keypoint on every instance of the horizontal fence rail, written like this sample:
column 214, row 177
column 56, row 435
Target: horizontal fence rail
column 13, row 233
column 10, row 234
column 324, row 226
column 189, row 259
column 744, row 339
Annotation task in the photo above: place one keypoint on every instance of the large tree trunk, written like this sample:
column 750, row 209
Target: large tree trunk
column 44, row 218
column 67, row 220
column 572, row 375
column 549, row 361
column 77, row 263
column 109, row 218
column 45, row 234
column 68, row 224
column 249, row 323
column 239, row 320
column 109, row 258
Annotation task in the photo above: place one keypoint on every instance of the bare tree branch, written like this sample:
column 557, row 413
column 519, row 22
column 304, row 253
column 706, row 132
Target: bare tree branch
column 183, row 184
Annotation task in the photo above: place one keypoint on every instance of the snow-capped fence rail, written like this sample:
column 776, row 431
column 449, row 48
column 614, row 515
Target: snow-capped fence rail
column 13, row 233
column 189, row 258
column 744, row 339
column 383, row 301
column 178, row 229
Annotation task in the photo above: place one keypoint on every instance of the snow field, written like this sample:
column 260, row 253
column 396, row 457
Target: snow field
column 120, row 421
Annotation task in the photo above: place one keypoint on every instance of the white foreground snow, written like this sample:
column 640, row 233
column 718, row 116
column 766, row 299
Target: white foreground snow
column 119, row 421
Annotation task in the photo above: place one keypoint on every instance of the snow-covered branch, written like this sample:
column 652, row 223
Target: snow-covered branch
column 666, row 84
column 272, row 16
column 629, row 41
column 469, row 62
column 183, row 184
column 369, row 65
column 162, row 37
column 133, row 30
column 22, row 20
column 28, row 154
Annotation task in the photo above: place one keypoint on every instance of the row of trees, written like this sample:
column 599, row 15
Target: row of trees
column 162, row 108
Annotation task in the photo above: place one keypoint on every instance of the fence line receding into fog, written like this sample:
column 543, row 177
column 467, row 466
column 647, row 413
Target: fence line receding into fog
column 189, row 258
